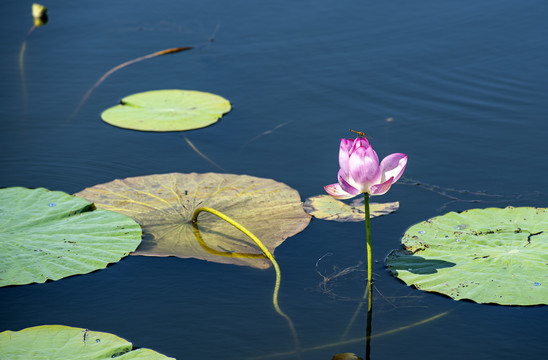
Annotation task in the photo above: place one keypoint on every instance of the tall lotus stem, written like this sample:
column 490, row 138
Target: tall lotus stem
column 368, row 238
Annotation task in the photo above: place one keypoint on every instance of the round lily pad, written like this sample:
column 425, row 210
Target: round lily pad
column 51, row 235
column 65, row 342
column 164, row 204
column 485, row 255
column 326, row 207
column 167, row 110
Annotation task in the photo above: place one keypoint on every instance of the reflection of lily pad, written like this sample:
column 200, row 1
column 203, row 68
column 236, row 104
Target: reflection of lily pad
column 167, row 110
column 327, row 208
column 65, row 342
column 485, row 255
column 164, row 204
column 51, row 235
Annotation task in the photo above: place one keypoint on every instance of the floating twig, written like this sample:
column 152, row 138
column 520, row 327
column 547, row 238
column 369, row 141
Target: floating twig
column 130, row 62
column 265, row 133
column 202, row 154
column 127, row 63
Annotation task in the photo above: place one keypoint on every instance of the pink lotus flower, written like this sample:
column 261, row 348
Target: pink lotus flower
column 360, row 170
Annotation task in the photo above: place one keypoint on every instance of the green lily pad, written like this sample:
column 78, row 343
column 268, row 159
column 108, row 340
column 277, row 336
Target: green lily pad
column 167, row 110
column 485, row 255
column 65, row 342
column 164, row 205
column 327, row 208
column 51, row 235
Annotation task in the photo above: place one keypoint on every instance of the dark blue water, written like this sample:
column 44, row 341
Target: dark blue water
column 460, row 86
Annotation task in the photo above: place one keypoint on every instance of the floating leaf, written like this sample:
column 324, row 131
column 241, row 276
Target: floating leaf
column 167, row 110
column 65, row 342
column 486, row 255
column 51, row 235
column 164, row 204
column 327, row 208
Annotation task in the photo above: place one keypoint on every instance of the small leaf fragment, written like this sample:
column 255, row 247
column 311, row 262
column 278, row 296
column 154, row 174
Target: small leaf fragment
column 327, row 208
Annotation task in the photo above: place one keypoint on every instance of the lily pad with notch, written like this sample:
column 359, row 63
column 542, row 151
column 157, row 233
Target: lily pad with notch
column 49, row 235
column 164, row 204
column 65, row 342
column 167, row 110
column 488, row 255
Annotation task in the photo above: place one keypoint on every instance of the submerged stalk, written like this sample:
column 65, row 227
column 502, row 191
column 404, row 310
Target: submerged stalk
column 267, row 253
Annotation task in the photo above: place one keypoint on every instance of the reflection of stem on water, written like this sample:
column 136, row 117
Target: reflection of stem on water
column 216, row 252
column 22, row 70
column 369, row 294
column 39, row 13
column 22, row 66
column 369, row 319
column 356, row 313
column 352, row 341
column 266, row 253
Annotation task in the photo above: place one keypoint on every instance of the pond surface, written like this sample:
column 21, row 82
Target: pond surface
column 459, row 86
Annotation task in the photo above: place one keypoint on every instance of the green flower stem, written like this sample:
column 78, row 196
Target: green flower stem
column 369, row 277
column 368, row 292
column 368, row 236
column 266, row 252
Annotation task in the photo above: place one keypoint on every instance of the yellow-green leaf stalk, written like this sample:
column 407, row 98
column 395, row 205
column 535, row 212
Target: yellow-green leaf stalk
column 267, row 253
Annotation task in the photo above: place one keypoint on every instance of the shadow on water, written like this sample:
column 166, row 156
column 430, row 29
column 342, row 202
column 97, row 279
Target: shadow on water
column 417, row 264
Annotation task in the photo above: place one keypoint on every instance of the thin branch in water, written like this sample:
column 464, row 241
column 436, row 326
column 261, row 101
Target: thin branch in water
column 265, row 133
column 203, row 155
column 130, row 62
column 127, row 63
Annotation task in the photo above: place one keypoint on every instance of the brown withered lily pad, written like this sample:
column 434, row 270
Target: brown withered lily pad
column 164, row 204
